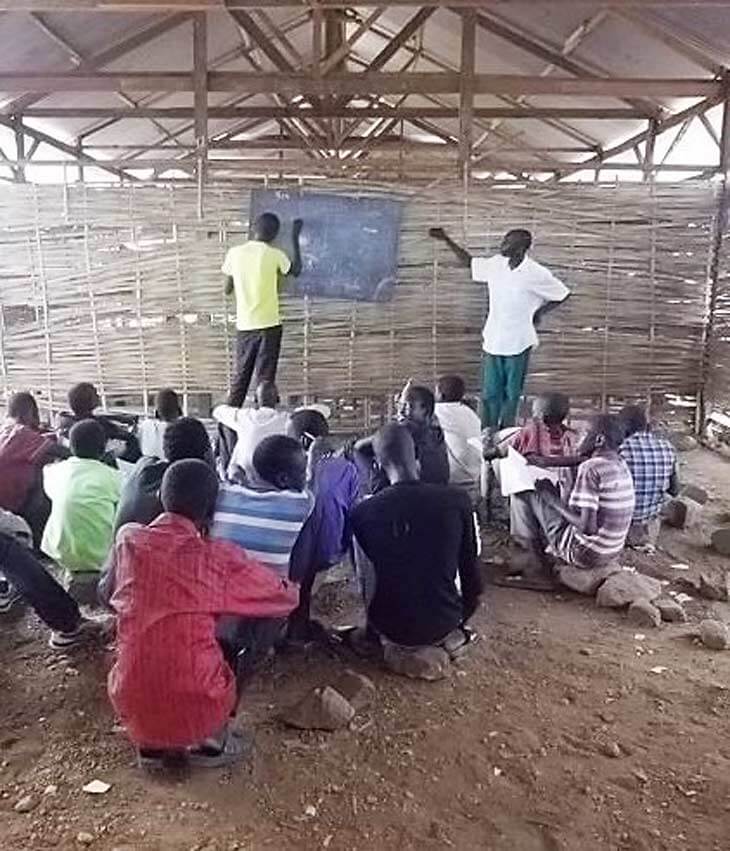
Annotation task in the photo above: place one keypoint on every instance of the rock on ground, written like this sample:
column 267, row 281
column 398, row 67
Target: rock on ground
column 425, row 663
column 682, row 513
column 721, row 541
column 714, row 586
column 644, row 613
column 671, row 611
column 25, row 804
column 356, row 688
column 714, row 634
column 683, row 442
column 585, row 581
column 321, row 709
column 625, row 588
column 696, row 493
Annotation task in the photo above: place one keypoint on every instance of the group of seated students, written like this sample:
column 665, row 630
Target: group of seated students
column 208, row 564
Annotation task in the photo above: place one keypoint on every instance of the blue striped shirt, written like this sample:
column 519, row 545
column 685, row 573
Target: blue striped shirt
column 265, row 523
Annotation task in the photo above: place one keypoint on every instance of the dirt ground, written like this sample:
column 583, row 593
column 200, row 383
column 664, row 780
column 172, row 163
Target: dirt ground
column 554, row 734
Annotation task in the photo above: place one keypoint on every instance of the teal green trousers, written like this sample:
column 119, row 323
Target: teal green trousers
column 503, row 380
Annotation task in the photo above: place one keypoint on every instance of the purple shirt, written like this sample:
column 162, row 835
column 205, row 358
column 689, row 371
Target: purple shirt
column 326, row 535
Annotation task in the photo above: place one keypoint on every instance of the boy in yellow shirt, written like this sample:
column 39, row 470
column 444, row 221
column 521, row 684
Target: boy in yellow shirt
column 253, row 272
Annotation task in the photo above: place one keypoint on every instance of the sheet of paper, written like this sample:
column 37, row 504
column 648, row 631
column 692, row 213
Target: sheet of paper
column 517, row 476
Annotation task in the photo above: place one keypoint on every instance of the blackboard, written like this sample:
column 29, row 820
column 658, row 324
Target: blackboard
column 349, row 245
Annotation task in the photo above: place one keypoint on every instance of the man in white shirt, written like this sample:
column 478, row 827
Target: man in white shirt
column 252, row 425
column 521, row 292
column 460, row 426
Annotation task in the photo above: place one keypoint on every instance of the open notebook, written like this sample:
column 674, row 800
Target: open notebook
column 517, row 476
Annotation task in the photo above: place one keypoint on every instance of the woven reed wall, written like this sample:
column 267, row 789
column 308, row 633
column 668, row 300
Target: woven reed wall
column 121, row 286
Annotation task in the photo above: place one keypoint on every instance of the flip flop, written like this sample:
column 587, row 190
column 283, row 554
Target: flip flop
column 237, row 746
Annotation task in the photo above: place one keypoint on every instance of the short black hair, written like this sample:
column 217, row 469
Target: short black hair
column 520, row 236
column 267, row 394
column 23, row 406
column 423, row 395
column 186, row 437
column 83, row 398
column 87, row 440
column 276, row 457
column 610, row 428
column 190, row 488
column 555, row 407
column 451, row 388
column 393, row 444
column 266, row 227
column 309, row 421
column 633, row 418
column 167, row 404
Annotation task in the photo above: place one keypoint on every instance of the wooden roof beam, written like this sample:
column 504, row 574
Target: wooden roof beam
column 352, row 84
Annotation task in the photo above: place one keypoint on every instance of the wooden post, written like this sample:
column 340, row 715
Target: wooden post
column 466, row 93
column 648, row 164
column 720, row 226
column 20, row 152
column 200, row 100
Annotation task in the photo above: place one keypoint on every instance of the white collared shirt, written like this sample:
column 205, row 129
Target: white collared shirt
column 515, row 295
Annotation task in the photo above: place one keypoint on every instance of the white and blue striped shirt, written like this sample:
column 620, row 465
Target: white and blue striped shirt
column 265, row 523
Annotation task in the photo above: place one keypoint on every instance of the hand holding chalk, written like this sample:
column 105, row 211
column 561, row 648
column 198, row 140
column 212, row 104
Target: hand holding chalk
column 296, row 227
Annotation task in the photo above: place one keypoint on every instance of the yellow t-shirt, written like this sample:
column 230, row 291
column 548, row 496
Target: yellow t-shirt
column 255, row 268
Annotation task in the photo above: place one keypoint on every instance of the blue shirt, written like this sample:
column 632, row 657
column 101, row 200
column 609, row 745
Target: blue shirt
column 326, row 535
column 652, row 461
column 265, row 523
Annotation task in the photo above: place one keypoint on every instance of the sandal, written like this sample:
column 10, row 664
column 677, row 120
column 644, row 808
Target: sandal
column 236, row 746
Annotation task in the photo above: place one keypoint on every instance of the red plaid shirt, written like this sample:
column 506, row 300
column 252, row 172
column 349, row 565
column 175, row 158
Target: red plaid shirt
column 170, row 684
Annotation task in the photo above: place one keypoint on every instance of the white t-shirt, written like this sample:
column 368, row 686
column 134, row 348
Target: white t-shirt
column 251, row 425
column 150, row 434
column 515, row 295
column 460, row 424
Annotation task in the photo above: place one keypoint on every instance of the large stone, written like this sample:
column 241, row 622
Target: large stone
column 683, row 442
column 721, row 541
column 585, row 581
column 695, row 493
column 321, row 709
column 682, row 513
column 643, row 613
column 625, row 588
column 714, row 634
column 357, row 689
column 714, row 586
column 26, row 804
column 422, row 663
column 670, row 610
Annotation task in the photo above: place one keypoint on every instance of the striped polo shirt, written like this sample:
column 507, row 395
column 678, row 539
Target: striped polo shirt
column 603, row 484
column 265, row 523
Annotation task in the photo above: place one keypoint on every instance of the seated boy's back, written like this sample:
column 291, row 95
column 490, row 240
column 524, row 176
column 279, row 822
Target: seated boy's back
column 170, row 684
column 84, row 493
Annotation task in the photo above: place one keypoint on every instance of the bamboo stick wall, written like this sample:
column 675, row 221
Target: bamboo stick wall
column 717, row 396
column 121, row 286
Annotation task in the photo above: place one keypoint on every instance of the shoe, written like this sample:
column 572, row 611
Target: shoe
column 236, row 746
column 87, row 628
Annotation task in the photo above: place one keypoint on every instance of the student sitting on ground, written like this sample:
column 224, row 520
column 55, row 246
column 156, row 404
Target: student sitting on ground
column 653, row 465
column 23, row 452
column 460, row 425
column 84, row 493
column 251, row 426
column 83, row 401
column 590, row 529
column 171, row 685
column 416, row 412
column 140, row 500
column 28, row 581
column 414, row 539
column 326, row 535
column 151, row 432
column 266, row 515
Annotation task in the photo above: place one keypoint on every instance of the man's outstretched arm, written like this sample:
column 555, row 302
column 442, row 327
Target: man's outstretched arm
column 462, row 255
column 296, row 263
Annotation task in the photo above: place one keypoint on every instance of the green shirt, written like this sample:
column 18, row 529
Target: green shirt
column 255, row 268
column 84, row 496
